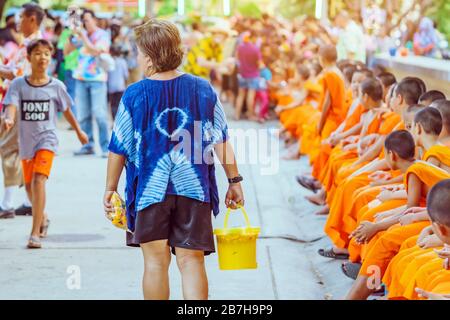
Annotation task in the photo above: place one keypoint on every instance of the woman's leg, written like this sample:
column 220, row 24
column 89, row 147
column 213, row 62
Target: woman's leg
column 240, row 103
column 250, row 102
column 156, row 270
column 191, row 264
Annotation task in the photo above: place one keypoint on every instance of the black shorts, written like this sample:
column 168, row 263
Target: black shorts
column 184, row 222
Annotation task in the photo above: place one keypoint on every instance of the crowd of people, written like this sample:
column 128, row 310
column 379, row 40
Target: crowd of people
column 379, row 150
column 81, row 68
column 379, row 147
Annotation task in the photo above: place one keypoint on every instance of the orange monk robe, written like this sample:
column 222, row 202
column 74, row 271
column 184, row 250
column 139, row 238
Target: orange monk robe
column 390, row 121
column 334, row 85
column 393, row 279
column 357, row 251
column 380, row 251
column 360, row 198
column 326, row 149
column 428, row 174
column 310, row 144
column 439, row 282
column 342, row 218
column 424, row 265
column 310, row 139
column 293, row 119
column 410, row 259
column 440, row 152
column 344, row 159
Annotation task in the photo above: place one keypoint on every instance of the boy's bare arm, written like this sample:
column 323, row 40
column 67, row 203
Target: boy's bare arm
column 371, row 153
column 372, row 166
column 76, row 126
column 9, row 117
column 350, row 132
column 414, row 190
column 388, row 222
column 325, row 106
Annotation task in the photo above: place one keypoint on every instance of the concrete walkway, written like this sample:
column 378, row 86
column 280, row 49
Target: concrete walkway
column 85, row 257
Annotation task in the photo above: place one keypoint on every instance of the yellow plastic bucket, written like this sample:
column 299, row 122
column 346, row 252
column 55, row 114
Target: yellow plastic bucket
column 237, row 246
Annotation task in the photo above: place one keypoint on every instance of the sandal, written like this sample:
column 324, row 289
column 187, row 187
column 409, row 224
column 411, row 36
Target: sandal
column 34, row 243
column 44, row 229
column 307, row 183
column 351, row 269
column 329, row 253
column 381, row 292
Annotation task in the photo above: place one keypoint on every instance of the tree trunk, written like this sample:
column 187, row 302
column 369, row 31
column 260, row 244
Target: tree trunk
column 2, row 7
column 150, row 8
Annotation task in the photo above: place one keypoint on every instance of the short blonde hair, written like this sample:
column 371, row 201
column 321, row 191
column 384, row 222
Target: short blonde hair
column 160, row 40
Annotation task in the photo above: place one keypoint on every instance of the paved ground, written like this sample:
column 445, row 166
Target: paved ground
column 82, row 242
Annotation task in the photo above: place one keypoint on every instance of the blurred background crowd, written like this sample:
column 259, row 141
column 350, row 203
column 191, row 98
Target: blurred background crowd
column 253, row 51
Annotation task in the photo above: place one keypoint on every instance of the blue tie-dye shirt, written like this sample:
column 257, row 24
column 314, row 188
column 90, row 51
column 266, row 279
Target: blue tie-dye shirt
column 167, row 131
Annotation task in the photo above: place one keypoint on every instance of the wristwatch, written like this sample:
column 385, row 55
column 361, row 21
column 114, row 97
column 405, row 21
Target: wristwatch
column 237, row 179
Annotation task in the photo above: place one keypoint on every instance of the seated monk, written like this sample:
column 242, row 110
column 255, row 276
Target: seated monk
column 346, row 142
column 362, row 196
column 438, row 203
column 332, row 105
column 342, row 218
column 338, row 226
column 324, row 150
column 420, row 176
column 410, row 265
column 300, row 110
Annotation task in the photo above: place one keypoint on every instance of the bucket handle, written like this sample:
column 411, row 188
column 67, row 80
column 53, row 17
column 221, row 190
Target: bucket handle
column 227, row 216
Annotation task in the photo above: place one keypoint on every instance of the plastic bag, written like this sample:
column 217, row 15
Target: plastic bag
column 118, row 217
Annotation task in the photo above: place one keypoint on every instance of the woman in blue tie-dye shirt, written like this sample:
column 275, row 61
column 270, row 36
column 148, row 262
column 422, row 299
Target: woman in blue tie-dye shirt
column 164, row 135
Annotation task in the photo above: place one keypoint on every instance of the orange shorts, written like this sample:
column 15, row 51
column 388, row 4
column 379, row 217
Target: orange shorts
column 41, row 163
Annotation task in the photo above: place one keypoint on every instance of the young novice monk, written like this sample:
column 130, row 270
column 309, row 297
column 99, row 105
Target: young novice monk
column 420, row 176
column 378, row 179
column 438, row 204
column 370, row 97
column 38, row 98
column 378, row 199
column 342, row 218
column 413, row 262
column 324, row 150
column 299, row 111
column 332, row 105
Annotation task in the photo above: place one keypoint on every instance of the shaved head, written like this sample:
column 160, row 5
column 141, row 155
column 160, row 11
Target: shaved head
column 438, row 203
column 328, row 53
column 444, row 108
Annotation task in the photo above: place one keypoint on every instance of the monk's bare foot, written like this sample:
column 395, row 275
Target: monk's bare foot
column 323, row 211
column 308, row 183
column 292, row 153
column 291, row 156
column 317, row 199
column 340, row 250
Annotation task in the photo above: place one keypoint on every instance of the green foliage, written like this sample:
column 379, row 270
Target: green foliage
column 291, row 9
column 250, row 9
column 440, row 12
column 61, row 4
column 168, row 8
